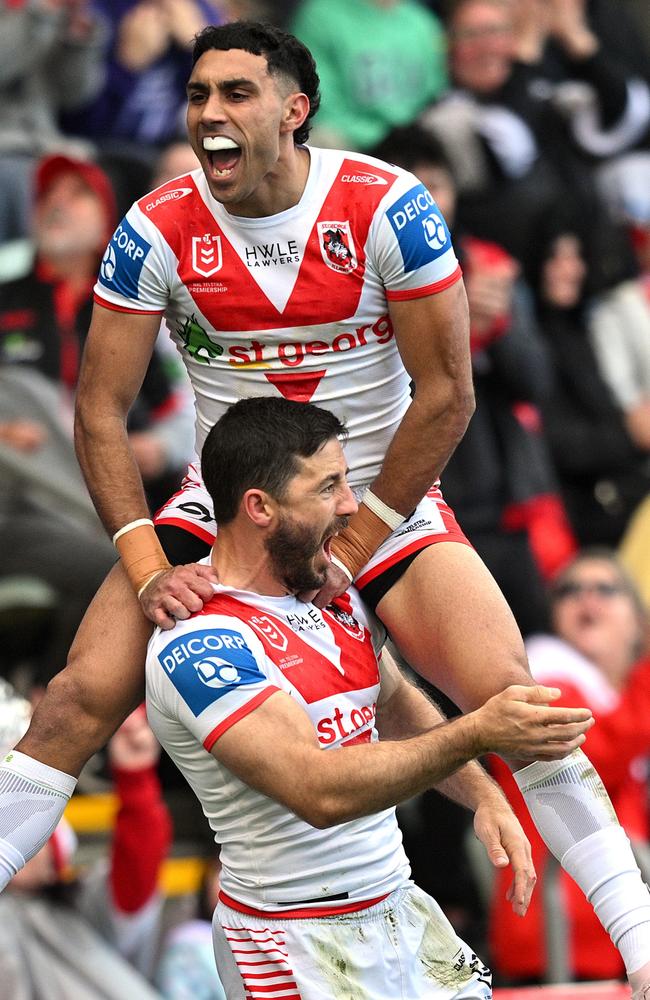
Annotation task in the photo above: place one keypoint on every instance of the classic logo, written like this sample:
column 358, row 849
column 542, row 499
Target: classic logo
column 195, row 341
column 206, row 254
column 173, row 195
column 266, row 627
column 362, row 179
column 337, row 246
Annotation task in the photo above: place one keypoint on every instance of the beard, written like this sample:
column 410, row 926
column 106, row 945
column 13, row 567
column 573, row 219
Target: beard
column 292, row 548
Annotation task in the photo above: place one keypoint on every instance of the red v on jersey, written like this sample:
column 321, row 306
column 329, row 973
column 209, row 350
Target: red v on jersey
column 293, row 385
column 358, row 663
column 329, row 279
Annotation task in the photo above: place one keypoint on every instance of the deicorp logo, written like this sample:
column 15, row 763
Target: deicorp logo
column 419, row 227
column 206, row 664
column 125, row 254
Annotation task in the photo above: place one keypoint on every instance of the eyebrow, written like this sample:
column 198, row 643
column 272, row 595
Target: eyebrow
column 195, row 86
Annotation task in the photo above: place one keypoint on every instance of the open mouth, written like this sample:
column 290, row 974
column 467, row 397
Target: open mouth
column 223, row 154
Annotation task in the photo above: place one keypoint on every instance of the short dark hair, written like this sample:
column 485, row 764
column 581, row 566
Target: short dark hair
column 256, row 444
column 284, row 55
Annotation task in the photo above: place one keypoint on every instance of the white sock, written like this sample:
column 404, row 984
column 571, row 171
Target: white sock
column 32, row 799
column 576, row 820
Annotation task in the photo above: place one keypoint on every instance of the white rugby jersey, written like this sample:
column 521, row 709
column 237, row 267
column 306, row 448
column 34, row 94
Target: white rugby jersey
column 215, row 668
column 294, row 303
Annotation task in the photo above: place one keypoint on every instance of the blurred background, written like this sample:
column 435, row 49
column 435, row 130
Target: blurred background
column 529, row 122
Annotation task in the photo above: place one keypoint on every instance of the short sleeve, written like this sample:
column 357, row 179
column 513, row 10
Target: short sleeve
column 409, row 243
column 133, row 273
column 209, row 673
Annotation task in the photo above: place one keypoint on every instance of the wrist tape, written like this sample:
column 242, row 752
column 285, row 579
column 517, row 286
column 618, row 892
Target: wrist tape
column 364, row 534
column 141, row 553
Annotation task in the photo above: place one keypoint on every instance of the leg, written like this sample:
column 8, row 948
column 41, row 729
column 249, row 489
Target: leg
column 450, row 621
column 466, row 641
column 82, row 707
column 102, row 683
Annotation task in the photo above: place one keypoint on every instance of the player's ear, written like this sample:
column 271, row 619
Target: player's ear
column 259, row 507
column 296, row 109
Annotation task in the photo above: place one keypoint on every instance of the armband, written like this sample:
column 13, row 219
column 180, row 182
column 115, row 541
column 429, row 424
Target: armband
column 391, row 517
column 141, row 553
column 364, row 534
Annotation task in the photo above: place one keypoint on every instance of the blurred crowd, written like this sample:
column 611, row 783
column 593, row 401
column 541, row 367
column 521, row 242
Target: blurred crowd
column 529, row 123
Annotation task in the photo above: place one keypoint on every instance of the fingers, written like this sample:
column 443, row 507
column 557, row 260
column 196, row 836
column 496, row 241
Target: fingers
column 537, row 694
column 178, row 593
column 523, row 880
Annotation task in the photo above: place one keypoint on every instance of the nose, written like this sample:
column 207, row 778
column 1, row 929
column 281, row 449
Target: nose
column 212, row 110
column 347, row 504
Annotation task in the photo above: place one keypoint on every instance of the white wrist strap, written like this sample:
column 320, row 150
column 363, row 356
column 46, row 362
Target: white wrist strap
column 389, row 516
column 341, row 566
column 149, row 580
column 130, row 526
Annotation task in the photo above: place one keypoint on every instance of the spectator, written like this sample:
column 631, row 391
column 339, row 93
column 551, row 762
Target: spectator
column 589, row 57
column 44, row 316
column 596, row 656
column 513, row 160
column 379, row 61
column 48, row 528
column 142, row 104
column 603, row 474
column 69, row 940
column 50, row 60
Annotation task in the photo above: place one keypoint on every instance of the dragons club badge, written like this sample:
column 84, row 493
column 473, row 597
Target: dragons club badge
column 337, row 246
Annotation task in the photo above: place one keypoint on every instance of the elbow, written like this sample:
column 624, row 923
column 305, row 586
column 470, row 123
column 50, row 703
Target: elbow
column 324, row 810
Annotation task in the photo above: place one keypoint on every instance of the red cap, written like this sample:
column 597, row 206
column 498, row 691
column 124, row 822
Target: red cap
column 51, row 168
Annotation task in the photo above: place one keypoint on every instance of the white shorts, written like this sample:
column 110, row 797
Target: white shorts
column 432, row 521
column 403, row 947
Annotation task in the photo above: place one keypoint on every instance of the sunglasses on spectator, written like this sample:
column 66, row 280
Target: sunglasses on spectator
column 575, row 588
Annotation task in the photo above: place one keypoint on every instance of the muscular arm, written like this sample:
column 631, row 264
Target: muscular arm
column 117, row 352
column 432, row 335
column 329, row 787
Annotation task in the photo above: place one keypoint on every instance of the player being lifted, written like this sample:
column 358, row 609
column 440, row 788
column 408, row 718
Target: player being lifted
column 347, row 331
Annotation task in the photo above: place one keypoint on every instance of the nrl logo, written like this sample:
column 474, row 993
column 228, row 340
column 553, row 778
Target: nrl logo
column 267, row 629
column 337, row 246
column 206, row 254
column 195, row 340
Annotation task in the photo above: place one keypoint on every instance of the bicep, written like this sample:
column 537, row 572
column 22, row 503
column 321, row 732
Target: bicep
column 274, row 749
column 116, row 355
column 432, row 335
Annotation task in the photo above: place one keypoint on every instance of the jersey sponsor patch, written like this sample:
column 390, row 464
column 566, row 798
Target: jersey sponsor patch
column 420, row 229
column 206, row 664
column 122, row 264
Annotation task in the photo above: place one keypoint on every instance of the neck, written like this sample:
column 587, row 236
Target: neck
column 280, row 189
column 243, row 563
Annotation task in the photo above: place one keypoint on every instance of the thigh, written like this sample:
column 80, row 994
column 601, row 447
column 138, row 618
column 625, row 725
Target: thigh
column 452, row 624
column 102, row 683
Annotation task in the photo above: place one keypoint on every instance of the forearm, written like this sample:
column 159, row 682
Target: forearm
column 410, row 713
column 469, row 786
column 423, row 443
column 355, row 781
column 112, row 477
